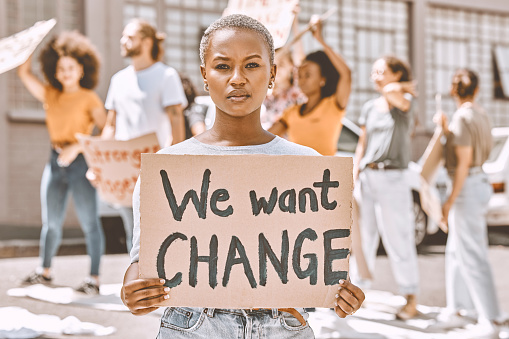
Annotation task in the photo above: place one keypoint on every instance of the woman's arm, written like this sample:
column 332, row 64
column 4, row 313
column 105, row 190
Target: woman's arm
column 464, row 155
column 99, row 116
column 345, row 75
column 394, row 93
column 142, row 296
column 359, row 153
column 31, row 82
column 110, row 126
column 178, row 130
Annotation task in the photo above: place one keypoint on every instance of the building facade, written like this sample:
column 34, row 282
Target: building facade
column 434, row 36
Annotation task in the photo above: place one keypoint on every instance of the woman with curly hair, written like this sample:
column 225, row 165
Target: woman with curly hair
column 70, row 65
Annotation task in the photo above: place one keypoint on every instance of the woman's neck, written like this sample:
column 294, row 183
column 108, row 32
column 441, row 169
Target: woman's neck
column 313, row 101
column 236, row 131
column 71, row 89
column 463, row 101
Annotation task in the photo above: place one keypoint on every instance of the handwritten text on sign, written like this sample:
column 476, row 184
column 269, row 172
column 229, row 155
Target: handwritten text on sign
column 246, row 231
column 276, row 15
column 116, row 164
column 15, row 49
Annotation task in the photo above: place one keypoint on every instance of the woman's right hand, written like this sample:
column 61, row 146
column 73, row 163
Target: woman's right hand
column 143, row 296
column 440, row 119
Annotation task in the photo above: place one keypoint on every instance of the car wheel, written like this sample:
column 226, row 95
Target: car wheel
column 421, row 220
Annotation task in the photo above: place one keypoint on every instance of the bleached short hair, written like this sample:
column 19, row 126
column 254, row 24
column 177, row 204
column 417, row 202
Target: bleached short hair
column 237, row 21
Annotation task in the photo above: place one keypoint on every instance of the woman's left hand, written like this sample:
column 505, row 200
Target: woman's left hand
column 349, row 299
column 315, row 24
column 446, row 208
column 68, row 154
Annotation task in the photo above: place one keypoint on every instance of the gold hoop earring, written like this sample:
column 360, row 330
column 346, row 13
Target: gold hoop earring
column 206, row 87
column 271, row 85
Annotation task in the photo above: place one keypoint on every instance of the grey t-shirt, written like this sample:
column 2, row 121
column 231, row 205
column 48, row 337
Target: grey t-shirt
column 387, row 135
column 470, row 126
column 278, row 146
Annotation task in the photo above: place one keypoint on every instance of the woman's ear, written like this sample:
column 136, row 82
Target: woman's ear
column 399, row 74
column 273, row 72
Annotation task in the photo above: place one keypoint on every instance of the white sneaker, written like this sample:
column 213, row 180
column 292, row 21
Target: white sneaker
column 447, row 320
column 503, row 328
column 482, row 331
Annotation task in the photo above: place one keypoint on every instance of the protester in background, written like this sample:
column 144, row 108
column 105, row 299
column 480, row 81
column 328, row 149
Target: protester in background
column 237, row 56
column 382, row 156
column 285, row 92
column 70, row 65
column 469, row 280
column 143, row 97
column 194, row 113
column 326, row 81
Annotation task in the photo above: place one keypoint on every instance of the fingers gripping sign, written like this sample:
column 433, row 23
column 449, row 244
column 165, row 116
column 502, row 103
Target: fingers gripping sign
column 349, row 299
column 142, row 296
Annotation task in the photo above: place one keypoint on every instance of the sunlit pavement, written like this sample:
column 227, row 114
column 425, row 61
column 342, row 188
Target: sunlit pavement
column 70, row 270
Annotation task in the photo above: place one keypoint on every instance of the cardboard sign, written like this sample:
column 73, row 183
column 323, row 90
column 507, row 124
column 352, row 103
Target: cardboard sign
column 433, row 160
column 433, row 156
column 276, row 15
column 15, row 49
column 246, row 231
column 116, row 164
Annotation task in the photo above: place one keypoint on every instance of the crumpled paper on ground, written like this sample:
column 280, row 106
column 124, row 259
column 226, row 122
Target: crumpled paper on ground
column 17, row 322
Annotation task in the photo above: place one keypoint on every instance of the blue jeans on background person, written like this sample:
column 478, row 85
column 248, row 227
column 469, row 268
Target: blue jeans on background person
column 126, row 213
column 56, row 184
column 210, row 323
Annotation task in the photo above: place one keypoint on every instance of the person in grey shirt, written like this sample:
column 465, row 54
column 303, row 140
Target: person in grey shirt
column 237, row 55
column 382, row 157
column 469, row 279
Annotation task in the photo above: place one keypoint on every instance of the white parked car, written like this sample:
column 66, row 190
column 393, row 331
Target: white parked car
column 497, row 169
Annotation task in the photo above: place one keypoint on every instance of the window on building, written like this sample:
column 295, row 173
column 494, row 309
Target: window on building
column 500, row 57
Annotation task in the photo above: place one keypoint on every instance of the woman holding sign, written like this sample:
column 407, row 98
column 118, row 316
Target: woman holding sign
column 70, row 65
column 469, row 281
column 237, row 57
column 325, row 79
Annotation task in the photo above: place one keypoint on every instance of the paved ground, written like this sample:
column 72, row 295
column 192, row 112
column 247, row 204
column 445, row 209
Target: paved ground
column 70, row 270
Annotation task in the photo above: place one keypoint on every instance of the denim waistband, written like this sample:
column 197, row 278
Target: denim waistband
column 272, row 311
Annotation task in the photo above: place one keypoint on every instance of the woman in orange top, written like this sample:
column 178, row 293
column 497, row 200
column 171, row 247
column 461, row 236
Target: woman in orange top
column 70, row 65
column 325, row 79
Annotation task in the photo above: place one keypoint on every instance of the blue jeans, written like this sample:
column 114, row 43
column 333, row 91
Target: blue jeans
column 180, row 322
column 56, row 184
column 126, row 213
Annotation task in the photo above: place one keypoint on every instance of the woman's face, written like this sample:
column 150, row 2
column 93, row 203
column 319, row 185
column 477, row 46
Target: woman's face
column 285, row 69
column 237, row 70
column 381, row 74
column 69, row 71
column 310, row 78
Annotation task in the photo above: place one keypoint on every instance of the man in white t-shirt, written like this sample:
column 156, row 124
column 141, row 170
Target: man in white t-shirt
column 146, row 96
